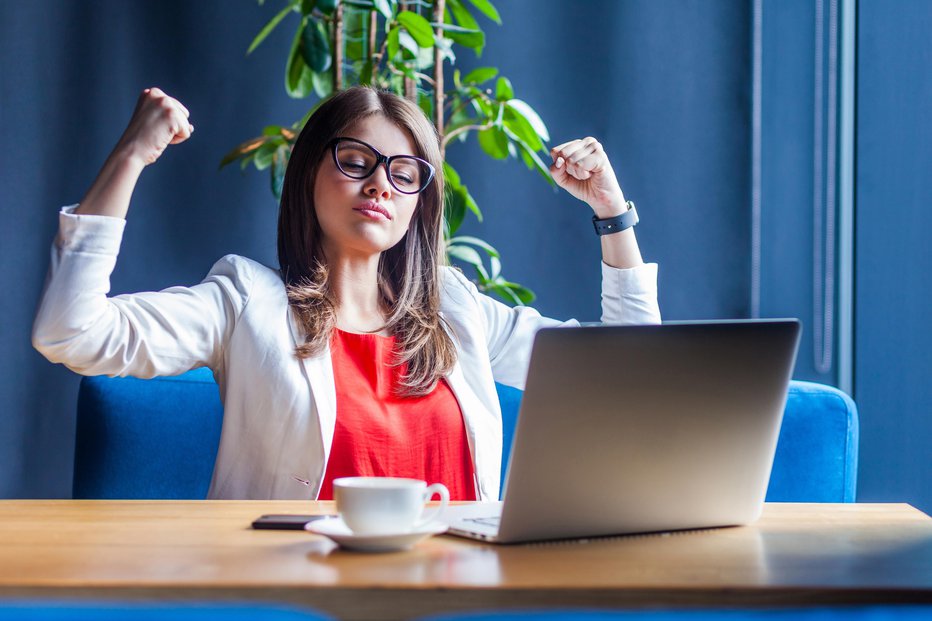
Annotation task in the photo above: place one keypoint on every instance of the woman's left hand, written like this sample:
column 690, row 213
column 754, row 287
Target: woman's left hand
column 581, row 167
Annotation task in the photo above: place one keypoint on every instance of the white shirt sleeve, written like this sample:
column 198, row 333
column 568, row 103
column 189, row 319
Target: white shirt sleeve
column 143, row 334
column 629, row 296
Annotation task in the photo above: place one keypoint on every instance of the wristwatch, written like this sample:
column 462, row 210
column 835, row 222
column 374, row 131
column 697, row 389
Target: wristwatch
column 616, row 224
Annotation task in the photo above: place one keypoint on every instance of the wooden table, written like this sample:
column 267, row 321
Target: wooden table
column 794, row 555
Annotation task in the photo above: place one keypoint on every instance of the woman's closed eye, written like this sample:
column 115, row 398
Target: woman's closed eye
column 354, row 165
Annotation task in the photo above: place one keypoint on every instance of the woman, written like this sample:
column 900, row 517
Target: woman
column 362, row 354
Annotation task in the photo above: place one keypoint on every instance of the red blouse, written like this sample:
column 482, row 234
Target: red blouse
column 379, row 434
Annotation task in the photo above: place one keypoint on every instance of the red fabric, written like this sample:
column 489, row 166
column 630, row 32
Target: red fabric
column 379, row 434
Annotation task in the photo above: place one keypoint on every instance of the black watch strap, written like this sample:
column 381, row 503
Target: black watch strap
column 616, row 224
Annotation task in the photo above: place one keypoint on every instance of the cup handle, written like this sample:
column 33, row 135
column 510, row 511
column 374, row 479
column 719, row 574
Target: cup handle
column 432, row 516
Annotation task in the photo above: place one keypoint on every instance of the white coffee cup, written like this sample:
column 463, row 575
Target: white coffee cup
column 386, row 505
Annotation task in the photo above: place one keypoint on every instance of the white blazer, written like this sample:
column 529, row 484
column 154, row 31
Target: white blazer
column 279, row 411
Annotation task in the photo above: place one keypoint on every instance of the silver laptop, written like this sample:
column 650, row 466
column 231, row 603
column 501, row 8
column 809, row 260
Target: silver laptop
column 631, row 429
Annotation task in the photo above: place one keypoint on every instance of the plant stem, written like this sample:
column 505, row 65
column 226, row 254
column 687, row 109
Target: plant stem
column 463, row 104
column 378, row 57
column 465, row 128
column 438, row 74
column 410, row 86
column 338, row 48
column 370, row 44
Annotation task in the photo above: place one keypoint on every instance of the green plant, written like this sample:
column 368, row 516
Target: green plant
column 403, row 46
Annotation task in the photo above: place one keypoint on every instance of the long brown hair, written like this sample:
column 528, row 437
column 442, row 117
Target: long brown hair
column 409, row 272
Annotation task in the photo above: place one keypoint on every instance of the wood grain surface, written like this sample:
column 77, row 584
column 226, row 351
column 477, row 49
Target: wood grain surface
column 796, row 554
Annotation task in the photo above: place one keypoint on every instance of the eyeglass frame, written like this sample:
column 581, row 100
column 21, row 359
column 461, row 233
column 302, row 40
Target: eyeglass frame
column 384, row 160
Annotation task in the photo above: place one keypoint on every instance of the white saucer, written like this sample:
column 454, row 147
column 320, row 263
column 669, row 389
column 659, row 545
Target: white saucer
column 336, row 529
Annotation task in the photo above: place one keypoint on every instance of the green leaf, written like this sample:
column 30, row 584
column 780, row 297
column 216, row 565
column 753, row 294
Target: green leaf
column 504, row 292
column 446, row 50
column 241, row 150
column 264, row 155
column 406, row 69
column 524, row 294
column 245, row 161
column 480, row 75
column 268, row 28
column 482, row 274
column 481, row 104
column 531, row 159
column 485, row 7
column 532, row 117
column 462, row 15
column 297, row 76
column 495, row 267
column 383, row 7
column 407, row 42
column 503, row 89
column 426, row 103
column 452, row 28
column 511, row 292
column 327, row 6
column 522, row 128
column 464, row 254
column 494, row 142
column 418, row 27
column 391, row 46
column 474, row 40
column 471, row 205
column 455, row 209
column 365, row 76
column 315, row 46
column 279, row 163
column 475, row 241
column 307, row 6
column 322, row 83
column 451, row 176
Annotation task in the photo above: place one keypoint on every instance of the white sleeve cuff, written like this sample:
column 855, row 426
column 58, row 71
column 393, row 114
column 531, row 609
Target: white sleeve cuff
column 87, row 233
column 629, row 296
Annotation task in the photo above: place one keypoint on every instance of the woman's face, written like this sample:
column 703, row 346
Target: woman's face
column 364, row 217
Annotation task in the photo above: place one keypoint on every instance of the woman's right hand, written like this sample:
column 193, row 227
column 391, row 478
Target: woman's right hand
column 158, row 121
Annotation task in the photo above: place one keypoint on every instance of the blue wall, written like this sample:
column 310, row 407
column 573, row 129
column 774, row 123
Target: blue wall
column 787, row 158
column 893, row 303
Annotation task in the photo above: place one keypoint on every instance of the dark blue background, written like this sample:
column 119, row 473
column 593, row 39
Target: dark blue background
column 664, row 85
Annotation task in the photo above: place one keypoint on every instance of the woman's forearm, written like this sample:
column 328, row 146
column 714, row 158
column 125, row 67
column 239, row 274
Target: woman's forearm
column 621, row 249
column 111, row 191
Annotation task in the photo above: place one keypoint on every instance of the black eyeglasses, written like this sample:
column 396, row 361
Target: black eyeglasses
column 358, row 160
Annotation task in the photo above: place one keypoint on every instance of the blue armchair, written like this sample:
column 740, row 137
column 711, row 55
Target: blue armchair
column 158, row 439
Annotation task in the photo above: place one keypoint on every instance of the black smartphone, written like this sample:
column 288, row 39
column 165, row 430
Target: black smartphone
column 285, row 522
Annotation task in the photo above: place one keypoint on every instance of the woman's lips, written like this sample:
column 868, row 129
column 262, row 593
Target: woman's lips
column 374, row 211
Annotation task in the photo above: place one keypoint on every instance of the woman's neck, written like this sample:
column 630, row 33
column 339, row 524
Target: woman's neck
column 354, row 284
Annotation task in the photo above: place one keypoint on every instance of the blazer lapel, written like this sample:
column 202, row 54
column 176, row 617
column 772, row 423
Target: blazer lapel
column 481, row 431
column 318, row 371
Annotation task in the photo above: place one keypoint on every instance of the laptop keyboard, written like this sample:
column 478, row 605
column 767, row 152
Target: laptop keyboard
column 486, row 521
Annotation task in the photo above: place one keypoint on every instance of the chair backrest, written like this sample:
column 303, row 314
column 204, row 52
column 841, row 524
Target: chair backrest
column 158, row 438
column 817, row 451
column 154, row 438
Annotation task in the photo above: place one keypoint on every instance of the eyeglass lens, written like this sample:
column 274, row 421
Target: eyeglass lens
column 406, row 173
